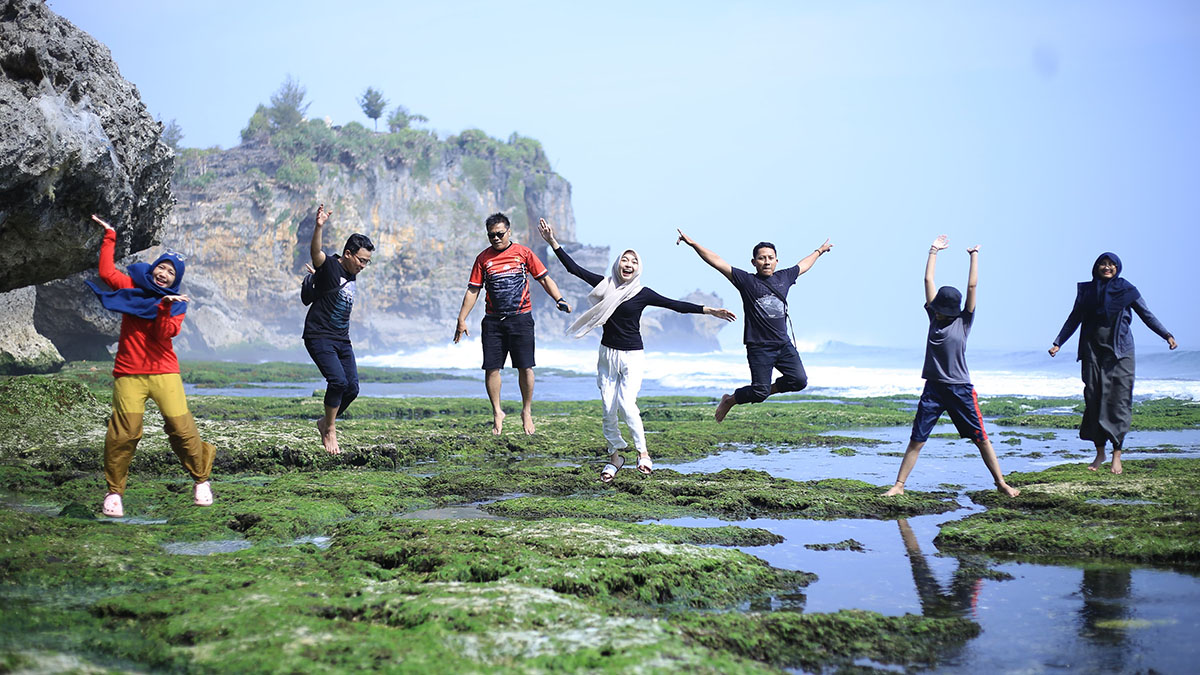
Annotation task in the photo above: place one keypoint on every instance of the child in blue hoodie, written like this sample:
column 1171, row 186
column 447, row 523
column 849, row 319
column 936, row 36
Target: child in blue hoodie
column 947, row 381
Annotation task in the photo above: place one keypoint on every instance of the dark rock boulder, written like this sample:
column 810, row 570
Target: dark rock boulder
column 75, row 139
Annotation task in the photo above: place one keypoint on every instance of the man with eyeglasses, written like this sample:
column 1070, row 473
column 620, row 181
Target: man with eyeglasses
column 508, row 323
column 327, row 325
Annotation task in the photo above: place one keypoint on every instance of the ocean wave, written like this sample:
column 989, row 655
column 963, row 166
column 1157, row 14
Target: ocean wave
column 714, row 372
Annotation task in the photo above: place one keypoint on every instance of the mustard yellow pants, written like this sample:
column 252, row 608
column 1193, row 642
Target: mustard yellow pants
column 125, row 427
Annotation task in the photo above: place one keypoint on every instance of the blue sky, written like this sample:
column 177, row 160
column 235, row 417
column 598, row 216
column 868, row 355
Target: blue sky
column 1046, row 132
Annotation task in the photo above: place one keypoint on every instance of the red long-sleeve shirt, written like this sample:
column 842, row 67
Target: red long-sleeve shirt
column 145, row 344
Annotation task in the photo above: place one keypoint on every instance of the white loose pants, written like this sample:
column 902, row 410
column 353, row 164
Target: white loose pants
column 619, row 376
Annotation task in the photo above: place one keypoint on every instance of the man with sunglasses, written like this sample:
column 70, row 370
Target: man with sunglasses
column 327, row 325
column 508, row 323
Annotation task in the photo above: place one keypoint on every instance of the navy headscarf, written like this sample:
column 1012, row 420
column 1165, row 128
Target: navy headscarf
column 142, row 300
column 1107, row 297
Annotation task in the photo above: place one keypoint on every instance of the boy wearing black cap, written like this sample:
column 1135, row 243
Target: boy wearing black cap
column 947, row 381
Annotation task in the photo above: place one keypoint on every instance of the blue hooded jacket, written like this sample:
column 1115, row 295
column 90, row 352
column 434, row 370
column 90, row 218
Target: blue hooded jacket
column 1108, row 302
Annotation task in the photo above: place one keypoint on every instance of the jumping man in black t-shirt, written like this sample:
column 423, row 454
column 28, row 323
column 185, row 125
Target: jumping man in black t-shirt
column 764, row 297
column 327, row 325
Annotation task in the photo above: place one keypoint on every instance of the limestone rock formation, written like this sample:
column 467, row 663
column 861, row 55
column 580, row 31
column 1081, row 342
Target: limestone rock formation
column 22, row 350
column 75, row 139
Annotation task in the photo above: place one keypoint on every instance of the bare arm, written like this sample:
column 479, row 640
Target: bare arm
column 809, row 260
column 938, row 244
column 552, row 290
column 707, row 256
column 468, row 303
column 972, row 279
column 318, row 256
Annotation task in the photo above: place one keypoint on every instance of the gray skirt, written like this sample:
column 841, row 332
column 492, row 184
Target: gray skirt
column 1107, row 397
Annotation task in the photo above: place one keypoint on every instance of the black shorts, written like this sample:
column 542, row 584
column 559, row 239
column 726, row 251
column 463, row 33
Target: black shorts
column 957, row 399
column 505, row 335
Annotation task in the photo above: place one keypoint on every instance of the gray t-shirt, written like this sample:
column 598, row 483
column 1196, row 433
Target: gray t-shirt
column 946, row 349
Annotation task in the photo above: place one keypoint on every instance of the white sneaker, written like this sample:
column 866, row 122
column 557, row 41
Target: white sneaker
column 113, row 507
column 203, row 494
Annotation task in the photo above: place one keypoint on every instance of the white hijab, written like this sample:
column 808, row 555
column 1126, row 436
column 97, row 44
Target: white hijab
column 606, row 296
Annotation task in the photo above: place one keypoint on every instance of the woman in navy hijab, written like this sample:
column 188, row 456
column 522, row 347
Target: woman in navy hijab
column 1103, row 306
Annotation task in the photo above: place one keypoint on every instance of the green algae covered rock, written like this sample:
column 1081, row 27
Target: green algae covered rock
column 817, row 641
column 1149, row 513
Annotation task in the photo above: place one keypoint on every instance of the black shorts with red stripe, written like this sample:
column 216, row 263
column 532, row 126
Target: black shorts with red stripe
column 957, row 399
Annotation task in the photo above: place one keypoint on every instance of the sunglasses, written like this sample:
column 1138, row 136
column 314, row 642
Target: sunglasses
column 497, row 234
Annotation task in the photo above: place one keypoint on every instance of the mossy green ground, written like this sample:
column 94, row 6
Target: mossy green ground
column 595, row 591
column 1148, row 513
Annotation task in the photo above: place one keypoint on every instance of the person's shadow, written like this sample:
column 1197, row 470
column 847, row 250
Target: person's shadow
column 1104, row 611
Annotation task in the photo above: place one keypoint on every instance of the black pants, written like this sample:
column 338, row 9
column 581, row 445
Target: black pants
column 765, row 358
column 335, row 359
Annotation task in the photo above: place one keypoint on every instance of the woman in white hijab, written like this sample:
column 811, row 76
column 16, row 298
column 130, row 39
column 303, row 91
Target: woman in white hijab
column 617, row 301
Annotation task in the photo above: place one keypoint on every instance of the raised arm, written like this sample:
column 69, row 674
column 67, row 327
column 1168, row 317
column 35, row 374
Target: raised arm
column 707, row 256
column 938, row 244
column 318, row 256
column 809, row 260
column 108, row 270
column 972, row 279
column 683, row 307
column 588, row 276
column 1152, row 322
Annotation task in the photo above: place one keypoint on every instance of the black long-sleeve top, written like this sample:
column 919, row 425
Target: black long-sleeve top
column 623, row 330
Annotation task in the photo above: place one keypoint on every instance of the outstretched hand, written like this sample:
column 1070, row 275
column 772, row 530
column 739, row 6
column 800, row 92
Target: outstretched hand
column 1053, row 350
column 175, row 298
column 824, row 248
column 563, row 306
column 684, row 238
column 322, row 215
column 973, row 249
column 106, row 225
column 942, row 242
column 720, row 313
column 547, row 232
column 1171, row 342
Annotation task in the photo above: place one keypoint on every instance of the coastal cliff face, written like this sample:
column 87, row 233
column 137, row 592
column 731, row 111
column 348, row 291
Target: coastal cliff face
column 75, row 139
column 244, row 223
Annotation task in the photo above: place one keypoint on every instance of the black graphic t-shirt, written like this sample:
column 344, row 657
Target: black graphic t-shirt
column 766, row 313
column 329, row 315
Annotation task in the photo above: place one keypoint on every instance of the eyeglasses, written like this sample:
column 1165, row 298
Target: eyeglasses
column 498, row 234
column 362, row 262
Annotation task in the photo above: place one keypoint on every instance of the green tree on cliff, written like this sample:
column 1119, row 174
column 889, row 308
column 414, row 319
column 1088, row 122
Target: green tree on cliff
column 172, row 133
column 401, row 118
column 287, row 104
column 372, row 104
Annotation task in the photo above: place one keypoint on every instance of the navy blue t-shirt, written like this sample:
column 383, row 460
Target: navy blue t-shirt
column 766, row 313
column 329, row 315
column 946, row 349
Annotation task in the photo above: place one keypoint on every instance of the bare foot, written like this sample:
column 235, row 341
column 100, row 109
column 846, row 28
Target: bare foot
column 1006, row 489
column 1095, row 465
column 727, row 402
column 897, row 489
column 328, row 438
column 527, row 422
column 1116, row 465
column 498, row 422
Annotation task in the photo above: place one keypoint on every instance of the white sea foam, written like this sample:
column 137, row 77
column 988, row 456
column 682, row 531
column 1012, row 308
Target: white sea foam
column 833, row 374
